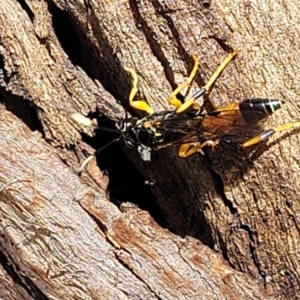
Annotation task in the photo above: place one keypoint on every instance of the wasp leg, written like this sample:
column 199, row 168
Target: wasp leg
column 138, row 104
column 220, row 69
column 186, row 150
column 269, row 132
column 172, row 98
column 205, row 89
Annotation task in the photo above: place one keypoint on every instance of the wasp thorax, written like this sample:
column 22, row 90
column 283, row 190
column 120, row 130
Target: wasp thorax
column 147, row 136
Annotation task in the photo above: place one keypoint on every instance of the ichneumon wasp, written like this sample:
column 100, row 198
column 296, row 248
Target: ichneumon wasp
column 188, row 127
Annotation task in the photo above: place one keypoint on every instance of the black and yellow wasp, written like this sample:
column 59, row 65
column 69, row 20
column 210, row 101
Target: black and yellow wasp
column 188, row 127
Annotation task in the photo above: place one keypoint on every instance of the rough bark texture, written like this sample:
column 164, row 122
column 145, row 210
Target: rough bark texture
column 243, row 205
column 57, row 250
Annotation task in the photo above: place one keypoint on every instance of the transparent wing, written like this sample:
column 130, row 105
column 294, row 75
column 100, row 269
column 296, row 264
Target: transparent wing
column 228, row 125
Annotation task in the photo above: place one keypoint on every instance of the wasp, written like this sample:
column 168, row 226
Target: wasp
column 191, row 129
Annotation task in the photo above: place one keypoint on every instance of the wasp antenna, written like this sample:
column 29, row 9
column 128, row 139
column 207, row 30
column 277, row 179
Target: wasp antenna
column 107, row 129
column 87, row 160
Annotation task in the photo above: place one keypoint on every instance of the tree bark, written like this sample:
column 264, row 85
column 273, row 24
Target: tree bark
column 244, row 207
column 56, row 250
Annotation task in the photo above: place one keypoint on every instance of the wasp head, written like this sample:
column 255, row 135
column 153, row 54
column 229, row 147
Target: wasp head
column 127, row 129
column 135, row 135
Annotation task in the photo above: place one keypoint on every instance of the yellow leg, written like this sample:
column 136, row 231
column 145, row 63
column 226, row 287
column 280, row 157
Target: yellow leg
column 173, row 97
column 220, row 69
column 138, row 104
column 205, row 89
column 186, row 150
column 269, row 132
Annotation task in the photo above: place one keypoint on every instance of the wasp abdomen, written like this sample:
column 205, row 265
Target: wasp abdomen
column 255, row 110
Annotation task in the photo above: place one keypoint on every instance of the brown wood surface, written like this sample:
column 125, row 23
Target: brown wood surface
column 62, row 238
column 56, row 250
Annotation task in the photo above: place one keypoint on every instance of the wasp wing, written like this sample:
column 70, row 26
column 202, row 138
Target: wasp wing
column 223, row 125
